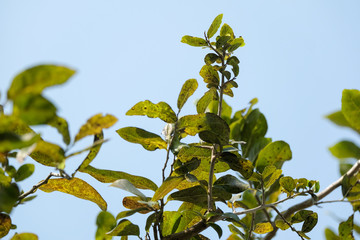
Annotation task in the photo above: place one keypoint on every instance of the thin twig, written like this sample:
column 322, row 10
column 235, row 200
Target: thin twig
column 336, row 201
column 286, row 221
column 211, row 179
column 251, row 226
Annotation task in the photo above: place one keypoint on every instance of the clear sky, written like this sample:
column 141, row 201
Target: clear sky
column 299, row 56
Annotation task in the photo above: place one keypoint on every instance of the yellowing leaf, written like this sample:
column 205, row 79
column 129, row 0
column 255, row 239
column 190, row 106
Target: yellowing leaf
column 148, row 140
column 169, row 184
column 187, row 90
column 193, row 41
column 210, row 75
column 63, row 128
column 48, row 154
column 205, row 100
column 261, row 228
column 35, row 79
column 5, row 224
column 95, row 125
column 25, row 236
column 160, row 110
column 77, row 188
column 214, row 26
column 133, row 203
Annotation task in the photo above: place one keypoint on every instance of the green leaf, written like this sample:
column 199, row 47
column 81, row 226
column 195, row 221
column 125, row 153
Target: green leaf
column 211, row 128
column 9, row 196
column 273, row 153
column 234, row 62
column 187, row 167
column 167, row 186
column 210, row 76
column 171, row 221
column 346, row 229
column 350, row 107
column 128, row 213
column 10, row 141
column 63, row 128
column 214, row 26
column 345, row 149
column 187, row 90
column 148, row 140
column 193, row 41
column 210, row 58
column 25, row 236
column 270, row 175
column 49, row 154
column 262, row 228
column 34, row 109
column 227, row 87
column 24, row 172
column 288, row 184
column 231, row 184
column 310, row 222
column 330, row 235
column 160, row 110
column 281, row 224
column 35, row 79
column 77, row 188
column 125, row 228
column 128, row 186
column 339, row 119
column 226, row 30
column 105, row 221
column 243, row 166
column 95, row 125
column 5, row 224
column 109, row 176
column 217, row 228
column 236, row 43
column 149, row 221
column 98, row 141
column 205, row 100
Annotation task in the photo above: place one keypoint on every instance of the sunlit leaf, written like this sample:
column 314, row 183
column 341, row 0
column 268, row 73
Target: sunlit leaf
column 48, row 154
column 35, row 79
column 148, row 140
column 194, row 41
column 345, row 149
column 205, row 100
column 167, row 186
column 330, row 235
column 339, row 119
column 95, row 125
column 77, row 188
column 350, row 107
column 105, row 221
column 231, row 184
column 25, row 236
column 109, row 176
column 160, row 110
column 5, row 224
column 270, row 175
column 187, row 90
column 226, row 30
column 210, row 75
column 262, row 228
column 128, row 186
column 34, row 109
column 236, row 43
column 346, row 229
column 125, row 228
column 288, row 184
column 214, row 26
column 24, row 172
column 211, row 128
column 273, row 153
column 63, row 128
column 281, row 224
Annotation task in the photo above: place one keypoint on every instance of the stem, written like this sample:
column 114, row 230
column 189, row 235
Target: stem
column 286, row 221
column 211, row 179
column 251, row 226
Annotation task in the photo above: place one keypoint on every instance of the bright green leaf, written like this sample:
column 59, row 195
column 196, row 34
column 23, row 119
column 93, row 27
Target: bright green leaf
column 226, row 30
column 167, row 186
column 236, row 43
column 77, row 188
column 125, row 228
column 35, row 79
column 25, row 236
column 109, row 176
column 350, row 107
column 187, row 90
column 339, row 119
column 273, row 153
column 281, row 224
column 345, row 149
column 128, row 213
column 194, row 41
column 214, row 26
column 330, row 235
column 95, row 125
column 105, row 221
column 24, row 172
column 148, row 140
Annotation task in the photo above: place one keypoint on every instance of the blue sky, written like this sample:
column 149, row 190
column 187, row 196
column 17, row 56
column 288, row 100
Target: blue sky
column 299, row 56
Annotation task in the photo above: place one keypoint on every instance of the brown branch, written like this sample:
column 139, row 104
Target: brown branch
column 310, row 202
column 286, row 221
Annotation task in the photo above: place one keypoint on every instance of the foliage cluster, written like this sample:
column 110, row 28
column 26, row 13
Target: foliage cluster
column 233, row 162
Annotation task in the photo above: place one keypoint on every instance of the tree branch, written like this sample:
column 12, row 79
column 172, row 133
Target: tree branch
column 310, row 202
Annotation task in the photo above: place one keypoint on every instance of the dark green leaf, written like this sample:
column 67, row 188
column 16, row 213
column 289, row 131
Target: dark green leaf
column 345, row 149
column 310, row 222
column 76, row 187
column 167, row 186
column 187, row 167
column 187, row 90
column 350, row 107
column 210, row 58
column 205, row 100
column 273, row 153
column 214, row 26
column 35, row 79
column 231, row 184
column 148, row 140
column 210, row 75
column 93, row 151
column 217, row 228
column 34, row 109
column 227, row 87
column 24, row 172
column 128, row 213
column 125, row 228
column 9, row 195
column 194, row 41
column 10, row 141
column 63, row 128
column 236, row 43
column 149, row 221
column 49, row 154
column 222, row 42
column 95, row 125
column 210, row 127
column 243, row 166
column 109, row 176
